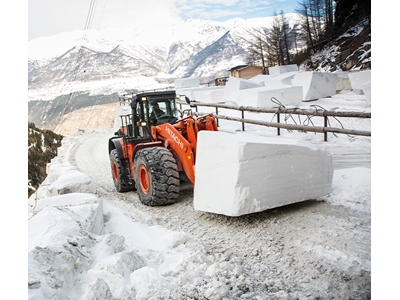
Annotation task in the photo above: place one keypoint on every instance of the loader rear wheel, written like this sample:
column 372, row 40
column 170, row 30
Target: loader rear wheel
column 156, row 176
column 120, row 174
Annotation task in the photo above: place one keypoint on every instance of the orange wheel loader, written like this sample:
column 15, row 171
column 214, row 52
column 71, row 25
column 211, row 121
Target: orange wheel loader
column 153, row 151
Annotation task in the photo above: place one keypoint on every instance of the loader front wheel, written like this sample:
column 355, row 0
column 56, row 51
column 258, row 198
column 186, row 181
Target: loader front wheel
column 156, row 176
column 120, row 174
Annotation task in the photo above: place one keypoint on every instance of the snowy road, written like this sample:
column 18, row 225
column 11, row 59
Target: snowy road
column 314, row 249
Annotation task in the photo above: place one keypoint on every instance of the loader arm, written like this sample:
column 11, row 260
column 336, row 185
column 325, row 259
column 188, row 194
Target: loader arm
column 173, row 139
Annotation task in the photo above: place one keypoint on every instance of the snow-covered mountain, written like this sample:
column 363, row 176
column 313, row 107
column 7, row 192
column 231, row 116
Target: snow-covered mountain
column 115, row 59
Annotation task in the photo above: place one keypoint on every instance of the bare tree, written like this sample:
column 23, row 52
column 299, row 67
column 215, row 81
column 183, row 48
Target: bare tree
column 256, row 47
column 284, row 33
column 274, row 46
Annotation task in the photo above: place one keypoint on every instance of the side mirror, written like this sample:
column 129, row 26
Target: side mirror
column 134, row 102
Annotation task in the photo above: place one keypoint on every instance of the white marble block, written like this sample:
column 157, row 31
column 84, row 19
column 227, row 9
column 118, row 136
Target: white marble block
column 359, row 78
column 234, row 85
column 261, row 97
column 316, row 84
column 285, row 78
column 192, row 92
column 187, row 82
column 241, row 173
column 367, row 91
column 210, row 94
column 282, row 69
column 343, row 82
column 260, row 78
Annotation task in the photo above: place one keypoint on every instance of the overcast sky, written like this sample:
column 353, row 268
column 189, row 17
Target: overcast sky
column 49, row 17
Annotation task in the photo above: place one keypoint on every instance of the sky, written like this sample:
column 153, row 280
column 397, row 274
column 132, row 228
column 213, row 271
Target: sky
column 49, row 17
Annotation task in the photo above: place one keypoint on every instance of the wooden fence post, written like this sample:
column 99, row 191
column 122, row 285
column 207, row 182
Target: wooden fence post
column 278, row 119
column 242, row 118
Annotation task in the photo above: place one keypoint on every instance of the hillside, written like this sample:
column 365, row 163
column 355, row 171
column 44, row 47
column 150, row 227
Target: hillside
column 42, row 147
column 112, row 62
column 348, row 52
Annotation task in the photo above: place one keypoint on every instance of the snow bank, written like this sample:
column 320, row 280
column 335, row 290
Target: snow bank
column 351, row 188
column 82, row 247
column 62, row 178
column 253, row 173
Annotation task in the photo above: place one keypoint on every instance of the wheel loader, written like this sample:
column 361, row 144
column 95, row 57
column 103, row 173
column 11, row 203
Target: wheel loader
column 154, row 150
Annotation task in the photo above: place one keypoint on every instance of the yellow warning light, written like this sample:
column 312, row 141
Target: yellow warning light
column 189, row 157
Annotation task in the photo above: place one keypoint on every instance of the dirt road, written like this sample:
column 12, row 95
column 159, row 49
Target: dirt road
column 309, row 250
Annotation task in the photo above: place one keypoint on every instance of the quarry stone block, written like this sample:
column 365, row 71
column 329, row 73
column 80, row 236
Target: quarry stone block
column 210, row 95
column 263, row 96
column 366, row 87
column 282, row 69
column 316, row 84
column 343, row 82
column 359, row 78
column 241, row 173
column 285, row 78
column 187, row 82
column 234, row 85
column 197, row 93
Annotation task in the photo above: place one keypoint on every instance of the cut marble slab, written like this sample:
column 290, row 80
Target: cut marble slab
column 282, row 69
column 261, row 96
column 187, row 82
column 234, row 85
column 242, row 173
column 359, row 78
column 316, row 84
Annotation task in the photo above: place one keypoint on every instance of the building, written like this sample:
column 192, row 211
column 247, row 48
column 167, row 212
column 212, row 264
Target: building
column 246, row 71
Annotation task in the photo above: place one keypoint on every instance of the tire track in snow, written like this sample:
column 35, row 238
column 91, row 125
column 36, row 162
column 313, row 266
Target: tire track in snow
column 313, row 247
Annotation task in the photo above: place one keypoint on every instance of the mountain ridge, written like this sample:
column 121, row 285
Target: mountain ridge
column 152, row 59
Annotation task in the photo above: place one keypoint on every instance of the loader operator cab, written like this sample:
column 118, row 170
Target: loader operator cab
column 155, row 108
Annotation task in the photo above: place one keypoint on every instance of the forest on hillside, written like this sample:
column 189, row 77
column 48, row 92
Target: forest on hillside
column 322, row 22
column 42, row 147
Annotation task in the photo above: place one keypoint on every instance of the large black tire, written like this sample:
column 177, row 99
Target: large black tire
column 120, row 174
column 156, row 176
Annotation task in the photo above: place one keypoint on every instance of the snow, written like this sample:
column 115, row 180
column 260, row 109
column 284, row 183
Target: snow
column 89, row 241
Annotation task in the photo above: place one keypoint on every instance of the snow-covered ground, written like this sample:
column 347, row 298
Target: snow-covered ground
column 86, row 241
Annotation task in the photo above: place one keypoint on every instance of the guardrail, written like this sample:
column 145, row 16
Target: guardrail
column 317, row 111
